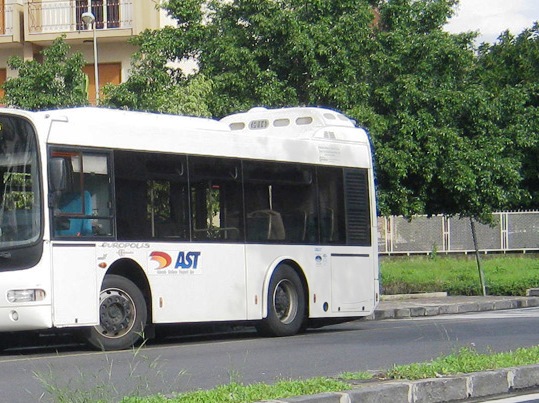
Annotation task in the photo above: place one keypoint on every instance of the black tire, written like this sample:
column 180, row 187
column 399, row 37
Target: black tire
column 286, row 304
column 122, row 315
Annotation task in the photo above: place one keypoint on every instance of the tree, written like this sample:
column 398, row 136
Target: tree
column 291, row 52
column 510, row 69
column 440, row 145
column 155, row 82
column 57, row 81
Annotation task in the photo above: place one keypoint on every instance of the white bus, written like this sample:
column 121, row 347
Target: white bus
column 112, row 221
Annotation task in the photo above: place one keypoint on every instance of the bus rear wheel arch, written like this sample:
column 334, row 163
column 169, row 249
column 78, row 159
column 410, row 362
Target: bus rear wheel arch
column 286, row 304
column 123, row 315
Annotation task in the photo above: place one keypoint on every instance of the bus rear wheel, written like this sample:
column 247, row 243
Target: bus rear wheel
column 286, row 304
column 122, row 315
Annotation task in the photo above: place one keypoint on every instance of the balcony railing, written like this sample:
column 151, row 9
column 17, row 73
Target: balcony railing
column 6, row 19
column 58, row 16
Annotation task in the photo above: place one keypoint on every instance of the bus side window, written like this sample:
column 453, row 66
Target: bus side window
column 82, row 203
column 216, row 199
column 279, row 198
column 151, row 196
column 331, row 206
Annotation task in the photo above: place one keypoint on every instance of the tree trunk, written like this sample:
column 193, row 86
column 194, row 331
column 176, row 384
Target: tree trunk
column 478, row 257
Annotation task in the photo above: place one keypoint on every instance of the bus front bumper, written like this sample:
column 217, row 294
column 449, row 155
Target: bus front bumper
column 31, row 317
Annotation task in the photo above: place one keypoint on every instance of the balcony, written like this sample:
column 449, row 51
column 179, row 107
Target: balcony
column 48, row 19
column 10, row 22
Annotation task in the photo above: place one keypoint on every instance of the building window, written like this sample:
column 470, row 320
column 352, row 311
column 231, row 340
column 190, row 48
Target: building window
column 106, row 13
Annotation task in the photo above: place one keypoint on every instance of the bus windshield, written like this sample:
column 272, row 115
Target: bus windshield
column 19, row 184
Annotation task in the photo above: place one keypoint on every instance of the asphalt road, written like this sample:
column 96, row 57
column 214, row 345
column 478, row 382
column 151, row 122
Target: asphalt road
column 186, row 363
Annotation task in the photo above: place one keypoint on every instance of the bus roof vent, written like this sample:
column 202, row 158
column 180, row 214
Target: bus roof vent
column 237, row 126
column 281, row 122
column 286, row 122
column 304, row 120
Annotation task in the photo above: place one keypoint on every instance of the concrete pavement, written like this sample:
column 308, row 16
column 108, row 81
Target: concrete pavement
column 446, row 389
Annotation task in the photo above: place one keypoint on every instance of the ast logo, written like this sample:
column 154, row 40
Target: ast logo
column 161, row 260
column 184, row 260
column 187, row 260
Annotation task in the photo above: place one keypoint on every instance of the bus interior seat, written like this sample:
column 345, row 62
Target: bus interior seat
column 295, row 223
column 265, row 225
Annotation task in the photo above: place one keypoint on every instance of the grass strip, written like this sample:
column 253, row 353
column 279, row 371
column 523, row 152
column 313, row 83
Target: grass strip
column 236, row 392
column 464, row 361
column 504, row 275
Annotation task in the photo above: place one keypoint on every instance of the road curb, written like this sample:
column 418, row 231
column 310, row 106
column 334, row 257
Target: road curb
column 455, row 388
column 444, row 309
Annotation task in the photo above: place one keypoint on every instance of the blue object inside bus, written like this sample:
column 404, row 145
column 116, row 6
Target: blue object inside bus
column 72, row 203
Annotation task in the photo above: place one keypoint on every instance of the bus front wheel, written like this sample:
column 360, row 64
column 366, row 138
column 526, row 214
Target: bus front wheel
column 122, row 315
column 286, row 304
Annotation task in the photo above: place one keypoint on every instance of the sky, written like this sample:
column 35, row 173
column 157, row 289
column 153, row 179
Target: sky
column 492, row 17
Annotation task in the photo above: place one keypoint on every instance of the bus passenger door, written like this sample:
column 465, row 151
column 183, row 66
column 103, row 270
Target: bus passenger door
column 75, row 294
column 80, row 210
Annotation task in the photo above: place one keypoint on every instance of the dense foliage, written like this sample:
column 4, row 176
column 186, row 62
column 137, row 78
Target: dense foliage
column 155, row 84
column 509, row 70
column 56, row 81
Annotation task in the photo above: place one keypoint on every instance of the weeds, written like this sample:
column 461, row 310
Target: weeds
column 465, row 360
column 236, row 392
column 143, row 377
column 77, row 390
column 355, row 376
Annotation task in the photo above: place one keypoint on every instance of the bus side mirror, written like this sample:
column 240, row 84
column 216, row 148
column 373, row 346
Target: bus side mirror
column 58, row 174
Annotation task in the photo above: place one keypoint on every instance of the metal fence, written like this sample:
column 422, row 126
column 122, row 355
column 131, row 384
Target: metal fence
column 511, row 231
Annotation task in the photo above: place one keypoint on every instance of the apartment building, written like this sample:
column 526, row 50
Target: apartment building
column 28, row 26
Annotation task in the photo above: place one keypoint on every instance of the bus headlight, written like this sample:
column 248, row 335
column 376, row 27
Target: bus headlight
column 31, row 295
